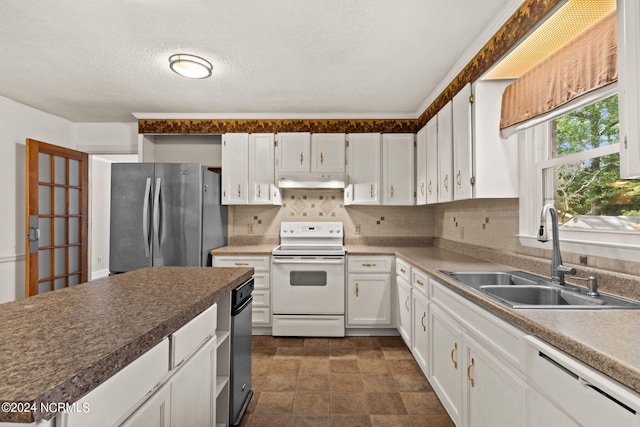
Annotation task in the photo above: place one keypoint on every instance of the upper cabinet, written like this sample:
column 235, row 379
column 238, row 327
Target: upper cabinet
column 261, row 170
column 462, row 144
column 298, row 153
column 364, row 169
column 398, row 169
column 421, row 166
column 432, row 160
column 445, row 153
column 235, row 169
column 629, row 86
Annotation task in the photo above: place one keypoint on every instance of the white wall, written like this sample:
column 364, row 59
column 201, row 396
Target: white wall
column 17, row 123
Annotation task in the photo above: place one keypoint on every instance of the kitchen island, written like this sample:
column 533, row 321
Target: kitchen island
column 59, row 346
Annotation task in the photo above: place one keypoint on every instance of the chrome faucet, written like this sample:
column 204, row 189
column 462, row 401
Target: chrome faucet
column 557, row 269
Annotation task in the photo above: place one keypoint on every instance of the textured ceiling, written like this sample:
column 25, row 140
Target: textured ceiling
column 98, row 61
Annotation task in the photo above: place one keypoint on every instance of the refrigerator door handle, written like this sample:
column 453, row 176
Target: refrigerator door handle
column 145, row 219
column 156, row 213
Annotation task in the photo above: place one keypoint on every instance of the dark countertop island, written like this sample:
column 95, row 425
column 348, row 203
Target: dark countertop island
column 58, row 346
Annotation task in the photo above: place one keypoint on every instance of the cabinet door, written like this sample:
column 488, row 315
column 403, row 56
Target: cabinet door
column 261, row 168
column 420, row 338
column 193, row 389
column 294, row 152
column 445, row 153
column 542, row 413
column 398, row 169
column 369, row 300
column 154, row 412
column 328, row 152
column 235, row 169
column 364, row 168
column 445, row 361
column 404, row 309
column 421, row 166
column 462, row 144
column 629, row 86
column 494, row 395
column 432, row 160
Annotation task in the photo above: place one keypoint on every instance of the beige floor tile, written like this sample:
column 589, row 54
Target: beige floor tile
column 285, row 366
column 350, row 421
column 313, row 382
column 412, row 382
column 260, row 366
column 403, row 367
column 422, row 403
column 390, row 421
column 281, row 382
column 431, row 421
column 394, row 353
column 385, row 403
column 314, row 366
column 379, row 383
column 310, row 421
column 339, row 366
column 311, row 403
column 275, row 402
column 373, row 367
column 342, row 353
column 346, row 382
column 270, row 420
column 348, row 403
column 316, row 342
column 370, row 353
column 289, row 352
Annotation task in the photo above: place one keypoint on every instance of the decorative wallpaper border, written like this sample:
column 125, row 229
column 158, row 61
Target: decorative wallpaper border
column 515, row 28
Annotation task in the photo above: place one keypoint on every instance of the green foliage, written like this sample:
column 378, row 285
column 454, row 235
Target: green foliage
column 592, row 187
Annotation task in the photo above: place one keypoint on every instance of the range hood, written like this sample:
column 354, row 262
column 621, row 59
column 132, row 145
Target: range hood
column 312, row 180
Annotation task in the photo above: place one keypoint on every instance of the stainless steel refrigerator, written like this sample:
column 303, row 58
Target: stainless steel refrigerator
column 164, row 214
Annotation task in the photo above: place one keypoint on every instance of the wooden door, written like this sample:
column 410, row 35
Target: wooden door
column 57, row 217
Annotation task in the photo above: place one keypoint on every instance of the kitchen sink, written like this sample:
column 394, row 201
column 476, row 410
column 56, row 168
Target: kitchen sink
column 519, row 289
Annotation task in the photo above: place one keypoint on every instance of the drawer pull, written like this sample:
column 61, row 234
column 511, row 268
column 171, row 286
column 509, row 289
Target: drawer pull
column 422, row 189
column 402, row 270
column 371, row 191
column 453, row 351
column 368, row 265
column 406, row 303
column 424, row 327
column 471, row 381
column 242, row 263
column 356, row 289
column 419, row 282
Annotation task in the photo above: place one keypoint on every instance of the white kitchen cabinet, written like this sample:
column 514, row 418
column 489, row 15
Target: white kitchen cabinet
column 462, row 144
column 181, row 148
column 591, row 398
column 261, row 307
column 223, row 361
column 328, row 153
column 628, row 12
column 235, row 169
column 398, row 169
column 364, row 169
column 155, row 412
column 445, row 153
column 262, row 170
column 421, row 167
column 432, row 160
column 294, row 152
column 544, row 413
column 369, row 302
column 420, row 328
column 403, row 300
column 193, row 387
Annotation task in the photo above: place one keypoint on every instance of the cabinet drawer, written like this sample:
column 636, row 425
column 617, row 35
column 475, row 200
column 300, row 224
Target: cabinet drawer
column 419, row 281
column 119, row 395
column 261, row 316
column 403, row 270
column 261, row 299
column 504, row 339
column 261, row 281
column 259, row 263
column 186, row 340
column 369, row 264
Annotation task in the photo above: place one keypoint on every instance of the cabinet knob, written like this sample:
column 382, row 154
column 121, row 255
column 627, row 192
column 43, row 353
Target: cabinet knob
column 402, row 270
column 259, row 190
column 453, row 359
column 371, row 191
column 239, row 190
column 471, row 380
column 392, row 191
column 301, row 157
column 419, row 282
column 459, row 179
column 422, row 189
column 429, row 187
column 446, row 182
column 321, row 158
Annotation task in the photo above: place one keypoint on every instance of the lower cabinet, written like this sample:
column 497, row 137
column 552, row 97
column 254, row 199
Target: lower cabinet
column 404, row 309
column 420, row 341
column 369, row 296
column 154, row 412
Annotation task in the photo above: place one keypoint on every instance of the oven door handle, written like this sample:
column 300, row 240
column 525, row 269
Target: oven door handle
column 311, row 261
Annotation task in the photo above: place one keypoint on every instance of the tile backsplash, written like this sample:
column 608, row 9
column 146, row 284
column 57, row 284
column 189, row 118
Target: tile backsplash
column 415, row 222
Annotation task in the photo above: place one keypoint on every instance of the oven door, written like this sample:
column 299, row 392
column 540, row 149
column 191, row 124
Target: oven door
column 308, row 284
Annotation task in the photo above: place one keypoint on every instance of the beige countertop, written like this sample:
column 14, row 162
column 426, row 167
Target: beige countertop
column 58, row 346
column 606, row 340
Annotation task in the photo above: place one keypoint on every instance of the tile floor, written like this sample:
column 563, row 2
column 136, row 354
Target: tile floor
column 353, row 381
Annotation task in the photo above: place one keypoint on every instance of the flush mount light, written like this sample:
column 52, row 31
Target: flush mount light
column 190, row 66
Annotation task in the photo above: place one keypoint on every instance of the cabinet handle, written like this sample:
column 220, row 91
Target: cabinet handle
column 459, row 180
column 402, row 270
column 471, row 380
column 453, row 351
column 422, row 189
column 419, row 282
column 321, row 158
column 406, row 303
column 238, row 190
column 392, row 191
column 371, row 191
column 446, row 182
column 424, row 327
column 356, row 289
column 369, row 265
column 242, row 263
column 259, row 191
column 429, row 187
column 301, row 157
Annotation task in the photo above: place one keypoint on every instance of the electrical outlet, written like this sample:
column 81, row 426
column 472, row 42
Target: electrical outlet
column 357, row 229
column 250, row 228
column 99, row 259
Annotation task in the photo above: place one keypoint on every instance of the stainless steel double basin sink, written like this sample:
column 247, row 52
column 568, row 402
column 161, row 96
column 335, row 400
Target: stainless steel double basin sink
column 519, row 289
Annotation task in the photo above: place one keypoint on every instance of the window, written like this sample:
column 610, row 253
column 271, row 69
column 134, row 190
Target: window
column 573, row 161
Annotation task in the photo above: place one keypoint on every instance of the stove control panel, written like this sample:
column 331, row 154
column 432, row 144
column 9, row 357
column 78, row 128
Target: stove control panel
column 311, row 229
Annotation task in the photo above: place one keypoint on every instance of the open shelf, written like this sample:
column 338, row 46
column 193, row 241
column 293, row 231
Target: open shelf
column 221, row 382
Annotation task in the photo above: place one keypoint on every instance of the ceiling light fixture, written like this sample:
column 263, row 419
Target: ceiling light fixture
column 190, row 66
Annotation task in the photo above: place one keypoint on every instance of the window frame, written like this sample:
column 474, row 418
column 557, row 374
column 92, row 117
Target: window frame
column 535, row 156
